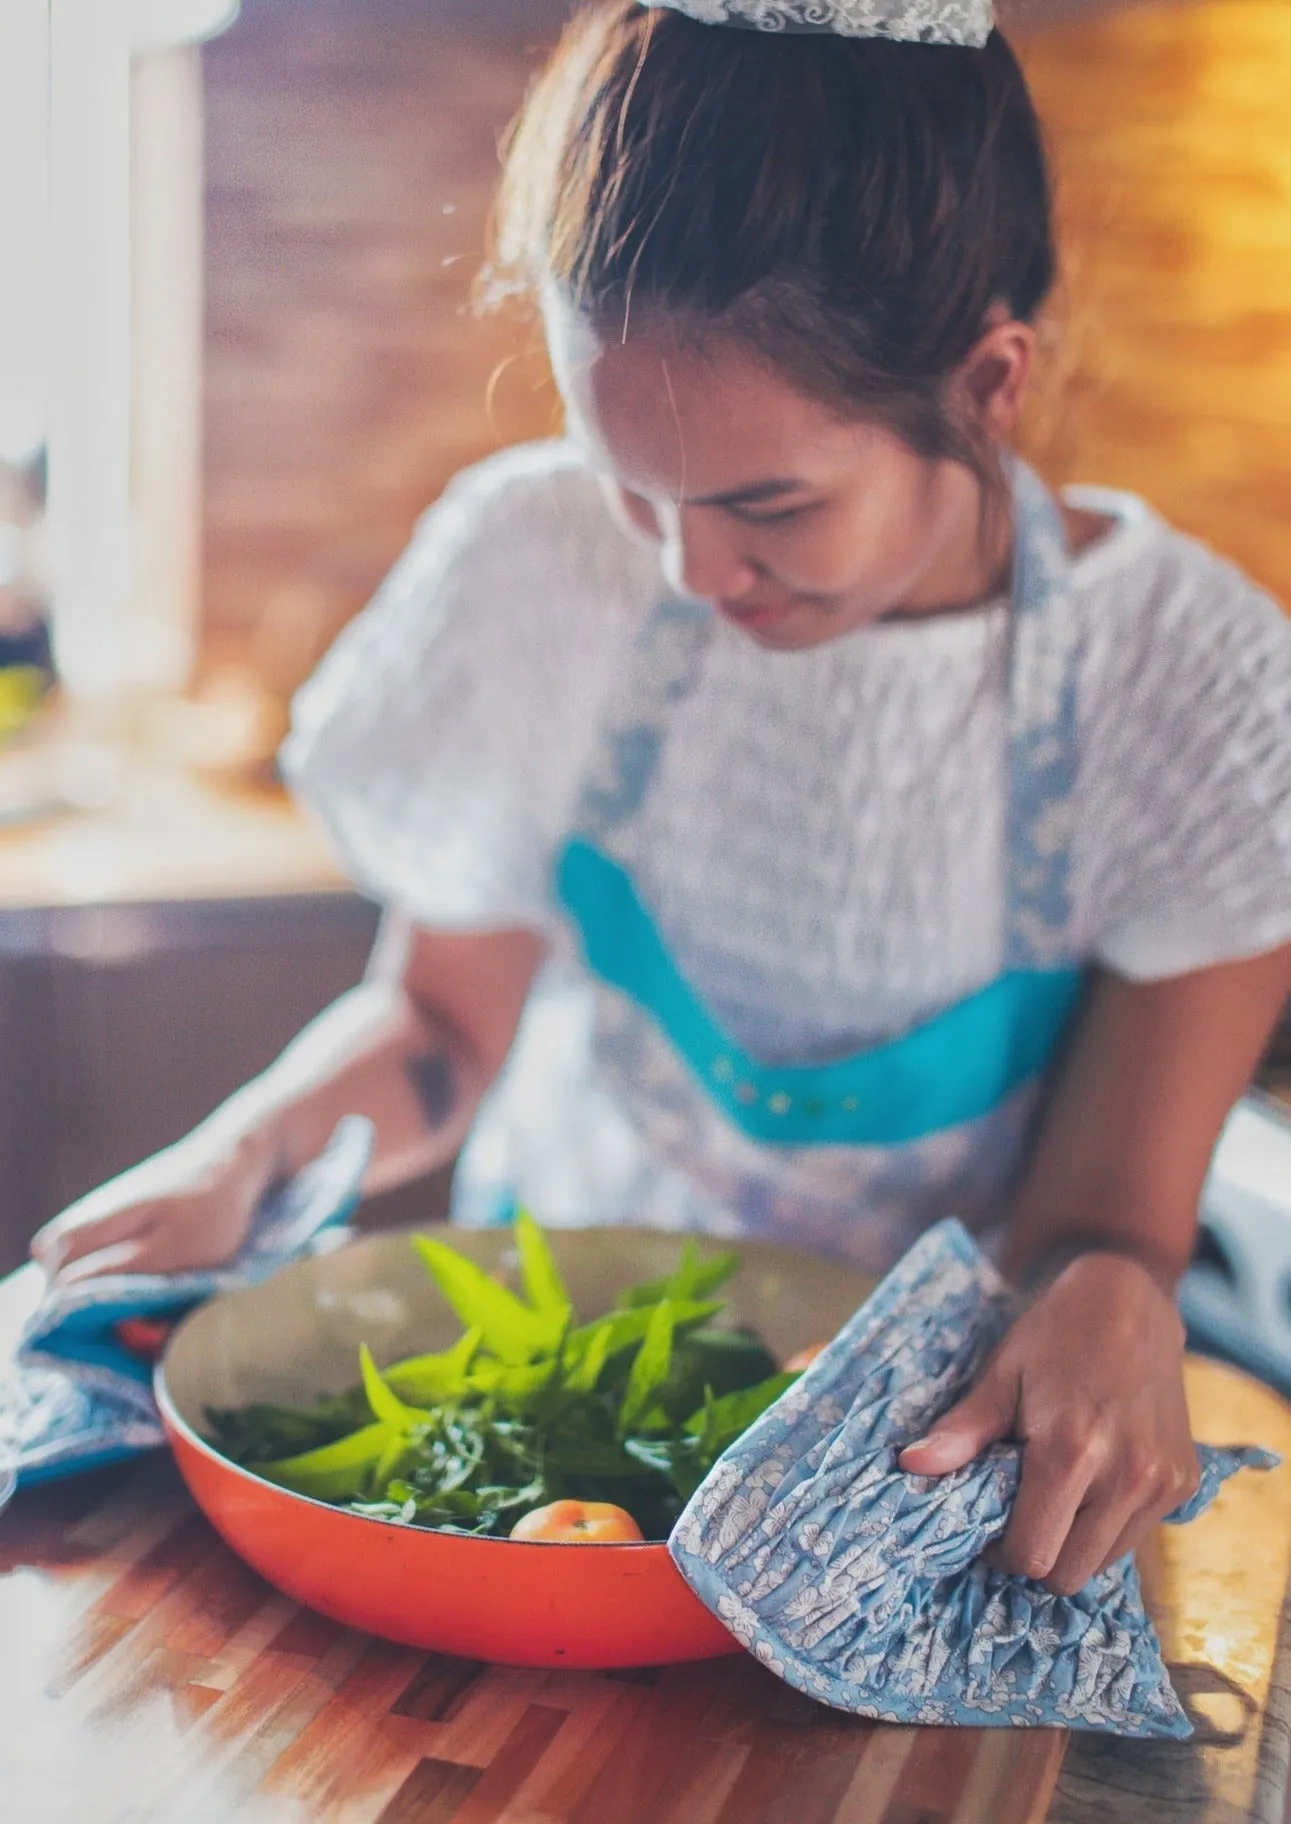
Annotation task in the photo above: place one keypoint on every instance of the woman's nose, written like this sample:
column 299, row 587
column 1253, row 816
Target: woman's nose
column 701, row 558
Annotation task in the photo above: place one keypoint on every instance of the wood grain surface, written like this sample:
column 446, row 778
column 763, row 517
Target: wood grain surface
column 1218, row 1593
column 148, row 1677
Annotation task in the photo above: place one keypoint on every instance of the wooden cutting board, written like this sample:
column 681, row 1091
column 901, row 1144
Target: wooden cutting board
column 147, row 1675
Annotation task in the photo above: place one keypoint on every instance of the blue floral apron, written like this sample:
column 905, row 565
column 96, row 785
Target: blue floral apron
column 949, row 1070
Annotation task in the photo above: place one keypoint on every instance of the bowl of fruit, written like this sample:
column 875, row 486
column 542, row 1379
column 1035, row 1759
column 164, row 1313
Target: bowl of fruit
column 477, row 1441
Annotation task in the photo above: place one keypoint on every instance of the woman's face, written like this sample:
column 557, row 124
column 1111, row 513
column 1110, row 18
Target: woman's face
column 797, row 526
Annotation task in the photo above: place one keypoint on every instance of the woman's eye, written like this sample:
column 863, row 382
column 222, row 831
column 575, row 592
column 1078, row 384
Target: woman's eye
column 780, row 517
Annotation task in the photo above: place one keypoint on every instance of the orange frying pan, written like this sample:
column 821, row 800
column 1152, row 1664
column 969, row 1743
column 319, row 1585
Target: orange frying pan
column 523, row 1604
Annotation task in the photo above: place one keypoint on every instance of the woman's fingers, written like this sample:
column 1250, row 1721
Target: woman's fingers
column 983, row 1416
column 1101, row 1411
column 158, row 1236
column 188, row 1206
column 121, row 1257
column 1177, row 1484
column 178, row 1236
column 1063, row 1545
column 1095, row 1541
column 86, row 1229
column 124, row 1208
column 1149, row 1484
column 1057, row 1475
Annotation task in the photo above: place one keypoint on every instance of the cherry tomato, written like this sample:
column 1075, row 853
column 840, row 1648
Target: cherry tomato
column 145, row 1336
column 579, row 1523
column 804, row 1358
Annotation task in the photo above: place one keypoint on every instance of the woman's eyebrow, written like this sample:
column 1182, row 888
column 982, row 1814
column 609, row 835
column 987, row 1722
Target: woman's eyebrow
column 752, row 495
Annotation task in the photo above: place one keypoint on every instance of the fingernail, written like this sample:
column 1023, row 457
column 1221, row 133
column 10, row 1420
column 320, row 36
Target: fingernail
column 918, row 1444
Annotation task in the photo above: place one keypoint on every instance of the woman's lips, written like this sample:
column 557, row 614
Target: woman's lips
column 750, row 615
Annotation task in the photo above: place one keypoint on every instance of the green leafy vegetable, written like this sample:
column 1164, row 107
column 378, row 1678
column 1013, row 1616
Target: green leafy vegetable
column 650, row 1367
column 516, row 1386
column 719, row 1423
column 528, row 1406
column 591, row 1359
column 544, row 1288
column 693, row 1277
column 259, row 1433
column 386, row 1405
column 716, row 1362
column 627, row 1328
column 428, row 1379
column 338, row 1471
column 512, row 1330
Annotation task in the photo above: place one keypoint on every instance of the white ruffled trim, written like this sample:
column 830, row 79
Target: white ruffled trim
column 964, row 22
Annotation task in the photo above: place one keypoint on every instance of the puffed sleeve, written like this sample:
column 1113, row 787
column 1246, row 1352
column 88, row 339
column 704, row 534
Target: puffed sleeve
column 1185, row 800
column 443, row 739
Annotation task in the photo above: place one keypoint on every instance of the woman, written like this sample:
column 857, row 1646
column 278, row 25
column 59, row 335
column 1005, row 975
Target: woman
column 794, row 821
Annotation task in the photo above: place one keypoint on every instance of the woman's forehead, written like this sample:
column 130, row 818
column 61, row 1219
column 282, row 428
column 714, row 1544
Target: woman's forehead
column 692, row 419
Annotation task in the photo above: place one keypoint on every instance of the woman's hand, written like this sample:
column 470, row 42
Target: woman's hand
column 189, row 1206
column 1090, row 1381
column 1090, row 1378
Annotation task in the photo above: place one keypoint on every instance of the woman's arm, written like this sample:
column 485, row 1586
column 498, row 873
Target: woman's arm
column 1123, row 1147
column 413, row 1048
column 1102, row 1228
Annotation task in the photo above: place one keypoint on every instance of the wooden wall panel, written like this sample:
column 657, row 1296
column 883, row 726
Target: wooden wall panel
column 352, row 155
column 1170, row 128
column 352, row 160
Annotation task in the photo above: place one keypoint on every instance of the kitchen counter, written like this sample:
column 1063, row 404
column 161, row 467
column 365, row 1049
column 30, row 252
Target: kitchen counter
column 164, row 834
column 149, row 1677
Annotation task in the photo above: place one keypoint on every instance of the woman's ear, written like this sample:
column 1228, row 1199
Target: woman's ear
column 989, row 385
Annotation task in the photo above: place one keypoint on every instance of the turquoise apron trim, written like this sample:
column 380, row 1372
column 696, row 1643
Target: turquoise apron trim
column 952, row 1069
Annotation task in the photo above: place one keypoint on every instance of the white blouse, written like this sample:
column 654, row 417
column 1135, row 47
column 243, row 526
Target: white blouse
column 821, row 847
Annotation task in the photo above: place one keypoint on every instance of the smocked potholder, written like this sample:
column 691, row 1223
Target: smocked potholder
column 862, row 1585
column 72, row 1396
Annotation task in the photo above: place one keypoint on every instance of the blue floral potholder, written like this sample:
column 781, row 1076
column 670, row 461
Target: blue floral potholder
column 73, row 1397
column 861, row 1585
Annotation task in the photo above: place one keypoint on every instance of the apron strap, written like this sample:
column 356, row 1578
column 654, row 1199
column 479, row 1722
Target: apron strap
column 1042, row 732
column 662, row 670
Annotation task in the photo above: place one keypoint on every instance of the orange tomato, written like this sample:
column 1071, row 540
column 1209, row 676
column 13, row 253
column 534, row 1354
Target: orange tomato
column 579, row 1523
column 145, row 1336
column 804, row 1358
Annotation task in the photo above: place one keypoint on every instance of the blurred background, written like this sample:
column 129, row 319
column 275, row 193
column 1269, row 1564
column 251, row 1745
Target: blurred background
column 238, row 356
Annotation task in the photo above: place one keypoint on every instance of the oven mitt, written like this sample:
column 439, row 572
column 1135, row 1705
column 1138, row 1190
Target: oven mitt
column 861, row 1585
column 73, row 1395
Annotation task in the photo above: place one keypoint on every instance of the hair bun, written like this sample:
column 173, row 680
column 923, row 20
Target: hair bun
column 963, row 22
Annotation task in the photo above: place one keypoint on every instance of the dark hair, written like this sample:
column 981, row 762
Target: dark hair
column 850, row 208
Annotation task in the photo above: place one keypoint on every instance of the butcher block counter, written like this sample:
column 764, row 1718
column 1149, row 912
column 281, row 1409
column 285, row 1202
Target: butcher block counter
column 148, row 1677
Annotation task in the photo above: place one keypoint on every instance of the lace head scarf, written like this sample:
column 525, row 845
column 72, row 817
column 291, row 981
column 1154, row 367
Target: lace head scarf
column 964, row 22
